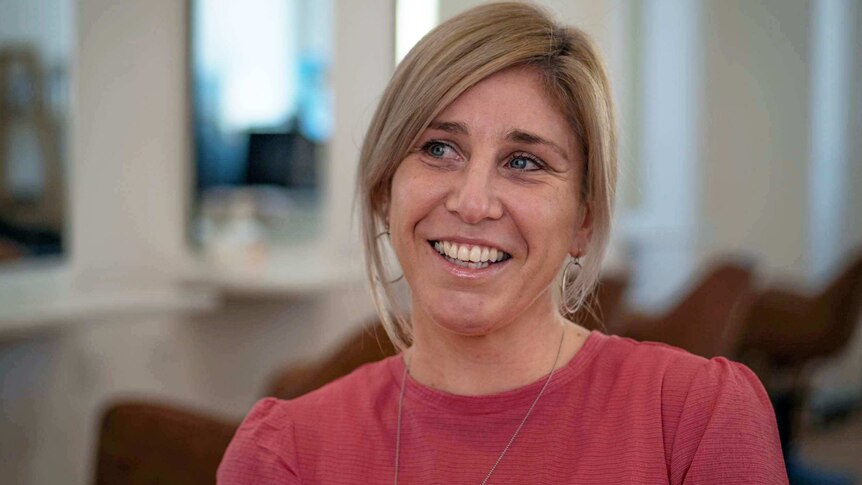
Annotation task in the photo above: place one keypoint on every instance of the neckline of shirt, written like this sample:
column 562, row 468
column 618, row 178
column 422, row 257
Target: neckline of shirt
column 420, row 394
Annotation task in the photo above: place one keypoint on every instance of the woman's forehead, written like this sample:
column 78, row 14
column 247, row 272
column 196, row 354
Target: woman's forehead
column 513, row 105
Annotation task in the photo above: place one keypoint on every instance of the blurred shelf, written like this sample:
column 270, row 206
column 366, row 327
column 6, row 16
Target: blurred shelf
column 283, row 273
column 38, row 297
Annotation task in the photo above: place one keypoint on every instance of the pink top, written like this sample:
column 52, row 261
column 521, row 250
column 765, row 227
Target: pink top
column 619, row 412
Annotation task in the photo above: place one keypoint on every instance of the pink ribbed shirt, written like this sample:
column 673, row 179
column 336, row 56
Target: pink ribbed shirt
column 619, row 412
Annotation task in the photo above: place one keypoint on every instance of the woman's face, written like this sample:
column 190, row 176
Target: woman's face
column 485, row 207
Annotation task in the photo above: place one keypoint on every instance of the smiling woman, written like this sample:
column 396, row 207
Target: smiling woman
column 490, row 167
column 491, row 173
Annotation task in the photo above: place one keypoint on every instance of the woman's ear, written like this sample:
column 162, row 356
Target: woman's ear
column 583, row 234
column 385, row 212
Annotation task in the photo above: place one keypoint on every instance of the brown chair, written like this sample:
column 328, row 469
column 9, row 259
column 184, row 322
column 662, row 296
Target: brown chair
column 787, row 330
column 790, row 328
column 368, row 345
column 604, row 304
column 150, row 444
column 707, row 321
column 153, row 444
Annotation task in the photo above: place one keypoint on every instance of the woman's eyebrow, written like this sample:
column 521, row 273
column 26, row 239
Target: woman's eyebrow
column 519, row 136
column 453, row 127
column 531, row 139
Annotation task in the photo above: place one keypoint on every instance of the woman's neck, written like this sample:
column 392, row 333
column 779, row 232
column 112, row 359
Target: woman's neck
column 507, row 358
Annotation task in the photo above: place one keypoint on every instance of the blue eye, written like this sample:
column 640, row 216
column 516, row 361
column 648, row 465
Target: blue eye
column 436, row 149
column 523, row 163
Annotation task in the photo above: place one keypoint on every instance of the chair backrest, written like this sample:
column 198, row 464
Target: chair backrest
column 144, row 443
column 791, row 328
column 707, row 320
column 604, row 303
column 842, row 302
column 369, row 344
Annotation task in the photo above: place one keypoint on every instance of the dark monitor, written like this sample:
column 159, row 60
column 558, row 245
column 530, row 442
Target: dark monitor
column 285, row 159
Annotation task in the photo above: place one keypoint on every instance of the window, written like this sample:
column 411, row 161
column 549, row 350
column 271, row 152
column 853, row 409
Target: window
column 35, row 47
column 262, row 111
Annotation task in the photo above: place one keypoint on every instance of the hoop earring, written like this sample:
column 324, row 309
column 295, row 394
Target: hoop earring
column 386, row 233
column 573, row 263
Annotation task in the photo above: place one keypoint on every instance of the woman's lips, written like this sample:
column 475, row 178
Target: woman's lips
column 469, row 255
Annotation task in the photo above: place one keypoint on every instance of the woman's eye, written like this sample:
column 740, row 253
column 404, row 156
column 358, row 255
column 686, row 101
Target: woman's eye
column 524, row 163
column 437, row 149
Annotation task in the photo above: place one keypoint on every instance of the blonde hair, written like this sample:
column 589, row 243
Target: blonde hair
column 455, row 56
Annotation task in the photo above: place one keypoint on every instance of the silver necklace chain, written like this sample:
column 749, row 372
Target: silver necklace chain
column 514, row 435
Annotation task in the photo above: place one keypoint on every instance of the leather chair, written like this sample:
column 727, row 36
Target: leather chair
column 604, row 304
column 149, row 444
column 707, row 321
column 787, row 330
column 366, row 346
column 790, row 328
column 155, row 444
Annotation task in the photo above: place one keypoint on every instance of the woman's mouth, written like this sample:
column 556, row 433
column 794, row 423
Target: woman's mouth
column 469, row 255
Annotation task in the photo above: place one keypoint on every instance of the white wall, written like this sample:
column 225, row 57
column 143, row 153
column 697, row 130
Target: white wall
column 756, row 133
column 762, row 167
column 365, row 46
column 130, row 144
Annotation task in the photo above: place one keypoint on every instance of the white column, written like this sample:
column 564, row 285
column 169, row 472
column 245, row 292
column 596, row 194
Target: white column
column 130, row 144
column 832, row 133
column 661, row 229
column 364, row 61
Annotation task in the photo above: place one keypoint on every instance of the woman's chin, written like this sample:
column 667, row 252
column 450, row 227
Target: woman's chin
column 467, row 321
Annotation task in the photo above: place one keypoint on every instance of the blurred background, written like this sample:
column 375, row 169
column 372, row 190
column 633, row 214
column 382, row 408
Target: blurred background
column 177, row 186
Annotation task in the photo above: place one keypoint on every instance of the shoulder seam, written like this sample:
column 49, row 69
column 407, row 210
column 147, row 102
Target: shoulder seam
column 691, row 382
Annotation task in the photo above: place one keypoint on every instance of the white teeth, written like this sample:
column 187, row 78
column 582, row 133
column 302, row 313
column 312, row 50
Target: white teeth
column 479, row 256
column 453, row 251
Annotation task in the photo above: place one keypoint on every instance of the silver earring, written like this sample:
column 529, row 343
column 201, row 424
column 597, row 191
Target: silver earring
column 386, row 233
column 573, row 263
column 396, row 280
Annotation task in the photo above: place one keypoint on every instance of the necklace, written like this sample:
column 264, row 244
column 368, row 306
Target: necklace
column 514, row 435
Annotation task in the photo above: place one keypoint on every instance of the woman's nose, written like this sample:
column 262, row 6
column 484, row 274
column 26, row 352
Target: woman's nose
column 473, row 196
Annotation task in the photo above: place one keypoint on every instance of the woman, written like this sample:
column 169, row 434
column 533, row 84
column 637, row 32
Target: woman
column 489, row 167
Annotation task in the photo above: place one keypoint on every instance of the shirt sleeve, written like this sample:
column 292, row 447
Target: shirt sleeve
column 726, row 431
column 262, row 449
